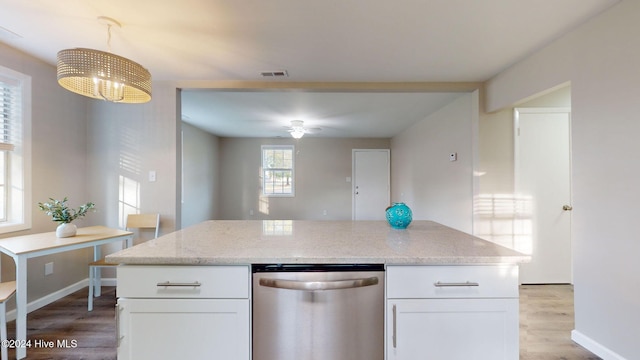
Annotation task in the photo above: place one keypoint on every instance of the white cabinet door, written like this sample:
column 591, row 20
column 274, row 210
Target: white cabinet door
column 452, row 329
column 183, row 329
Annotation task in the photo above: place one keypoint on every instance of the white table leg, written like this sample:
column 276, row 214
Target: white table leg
column 21, row 305
column 97, row 283
column 3, row 330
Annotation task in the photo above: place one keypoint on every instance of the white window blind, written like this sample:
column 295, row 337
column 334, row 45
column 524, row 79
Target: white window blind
column 15, row 151
column 10, row 113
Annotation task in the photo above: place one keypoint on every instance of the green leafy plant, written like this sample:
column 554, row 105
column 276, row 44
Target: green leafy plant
column 60, row 212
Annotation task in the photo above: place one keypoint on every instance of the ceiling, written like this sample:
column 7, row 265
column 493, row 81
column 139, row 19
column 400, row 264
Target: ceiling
column 314, row 41
column 336, row 114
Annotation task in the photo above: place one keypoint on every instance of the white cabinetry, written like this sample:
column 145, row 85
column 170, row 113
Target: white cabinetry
column 183, row 312
column 452, row 312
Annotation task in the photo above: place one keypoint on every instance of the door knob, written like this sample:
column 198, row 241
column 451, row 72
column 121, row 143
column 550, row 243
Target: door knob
column 567, row 208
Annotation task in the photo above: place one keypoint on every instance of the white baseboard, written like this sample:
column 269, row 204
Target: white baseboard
column 593, row 346
column 57, row 295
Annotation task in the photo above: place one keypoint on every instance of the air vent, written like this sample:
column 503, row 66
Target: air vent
column 277, row 73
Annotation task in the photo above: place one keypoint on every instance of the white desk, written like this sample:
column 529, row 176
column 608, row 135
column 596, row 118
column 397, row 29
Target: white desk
column 22, row 248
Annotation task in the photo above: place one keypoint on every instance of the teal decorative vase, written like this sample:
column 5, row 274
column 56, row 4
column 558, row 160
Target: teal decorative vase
column 399, row 215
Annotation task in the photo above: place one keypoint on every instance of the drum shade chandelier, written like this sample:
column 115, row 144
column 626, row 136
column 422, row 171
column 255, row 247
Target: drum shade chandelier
column 103, row 75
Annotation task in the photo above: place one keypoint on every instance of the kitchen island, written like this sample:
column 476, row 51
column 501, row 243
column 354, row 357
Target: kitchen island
column 228, row 242
column 192, row 288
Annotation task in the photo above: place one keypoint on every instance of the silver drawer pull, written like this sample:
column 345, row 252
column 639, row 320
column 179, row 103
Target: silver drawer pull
column 172, row 284
column 395, row 328
column 118, row 337
column 318, row 285
column 467, row 283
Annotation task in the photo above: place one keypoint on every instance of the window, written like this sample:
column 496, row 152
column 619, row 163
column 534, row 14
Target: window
column 15, row 151
column 277, row 170
column 128, row 199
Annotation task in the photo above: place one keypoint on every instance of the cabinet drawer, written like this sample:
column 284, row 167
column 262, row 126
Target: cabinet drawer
column 490, row 281
column 212, row 282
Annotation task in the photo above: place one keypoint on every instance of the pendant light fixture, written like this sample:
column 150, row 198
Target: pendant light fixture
column 103, row 75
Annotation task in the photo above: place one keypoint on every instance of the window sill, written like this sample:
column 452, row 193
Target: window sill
column 278, row 195
column 8, row 227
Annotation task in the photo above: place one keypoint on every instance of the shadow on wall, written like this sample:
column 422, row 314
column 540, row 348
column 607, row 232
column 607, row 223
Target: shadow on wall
column 130, row 166
column 505, row 219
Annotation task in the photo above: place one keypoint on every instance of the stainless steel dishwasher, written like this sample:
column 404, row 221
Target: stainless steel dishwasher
column 318, row 312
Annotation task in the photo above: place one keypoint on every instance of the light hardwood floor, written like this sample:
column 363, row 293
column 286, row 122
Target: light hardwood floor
column 546, row 321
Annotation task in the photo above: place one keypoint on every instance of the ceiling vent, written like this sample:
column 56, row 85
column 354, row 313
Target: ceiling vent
column 276, row 73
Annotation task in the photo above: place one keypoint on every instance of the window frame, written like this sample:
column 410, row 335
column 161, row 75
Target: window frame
column 18, row 164
column 264, row 170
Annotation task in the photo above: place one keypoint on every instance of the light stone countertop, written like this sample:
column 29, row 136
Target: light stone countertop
column 231, row 242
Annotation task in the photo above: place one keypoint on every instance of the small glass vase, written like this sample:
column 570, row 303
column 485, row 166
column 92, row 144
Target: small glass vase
column 66, row 230
column 399, row 215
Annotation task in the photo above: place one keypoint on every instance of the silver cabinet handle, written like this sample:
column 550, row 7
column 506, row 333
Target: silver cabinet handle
column 444, row 284
column 318, row 285
column 172, row 284
column 395, row 342
column 567, row 208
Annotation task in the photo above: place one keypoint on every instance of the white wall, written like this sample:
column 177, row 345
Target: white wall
column 600, row 59
column 59, row 166
column 422, row 175
column 201, row 180
column 129, row 140
column 321, row 168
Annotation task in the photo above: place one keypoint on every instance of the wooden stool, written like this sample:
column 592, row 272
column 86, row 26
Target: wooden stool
column 7, row 289
column 134, row 221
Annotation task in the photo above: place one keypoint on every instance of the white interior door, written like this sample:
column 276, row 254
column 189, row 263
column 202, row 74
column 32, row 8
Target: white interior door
column 543, row 183
column 371, row 178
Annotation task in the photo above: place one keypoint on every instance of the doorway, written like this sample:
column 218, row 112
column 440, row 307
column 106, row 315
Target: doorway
column 371, row 180
column 543, row 183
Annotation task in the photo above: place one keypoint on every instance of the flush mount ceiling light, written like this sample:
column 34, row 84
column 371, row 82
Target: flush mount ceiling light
column 103, row 75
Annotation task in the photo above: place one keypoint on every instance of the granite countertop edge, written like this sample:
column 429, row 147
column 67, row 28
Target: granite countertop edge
column 245, row 242
column 202, row 261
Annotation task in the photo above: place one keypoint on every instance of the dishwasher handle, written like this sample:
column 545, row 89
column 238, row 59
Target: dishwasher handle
column 318, row 285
